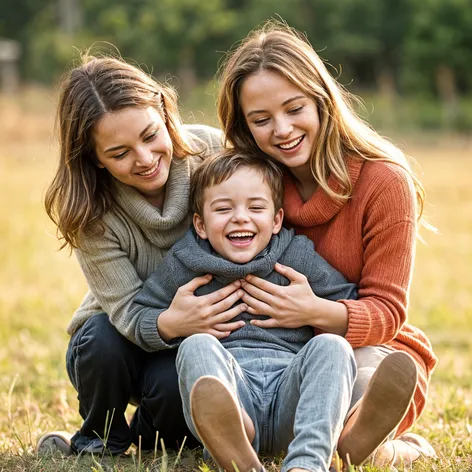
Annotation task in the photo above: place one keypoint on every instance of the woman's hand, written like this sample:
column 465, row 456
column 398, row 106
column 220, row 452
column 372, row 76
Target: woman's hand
column 189, row 314
column 292, row 306
column 288, row 307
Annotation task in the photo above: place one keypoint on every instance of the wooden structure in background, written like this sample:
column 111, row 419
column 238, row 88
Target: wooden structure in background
column 10, row 52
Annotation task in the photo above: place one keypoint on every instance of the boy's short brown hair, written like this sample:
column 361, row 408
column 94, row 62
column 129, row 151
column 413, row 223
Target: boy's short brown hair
column 222, row 166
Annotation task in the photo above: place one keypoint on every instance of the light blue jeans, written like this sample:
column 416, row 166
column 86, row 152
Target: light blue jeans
column 297, row 402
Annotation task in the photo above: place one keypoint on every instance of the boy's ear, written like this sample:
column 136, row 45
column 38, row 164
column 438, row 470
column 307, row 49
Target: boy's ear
column 278, row 220
column 199, row 226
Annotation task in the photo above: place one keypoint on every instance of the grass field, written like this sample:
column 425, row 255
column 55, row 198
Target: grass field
column 40, row 288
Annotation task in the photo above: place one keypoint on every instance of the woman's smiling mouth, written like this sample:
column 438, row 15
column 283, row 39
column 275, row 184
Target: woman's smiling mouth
column 152, row 170
column 291, row 144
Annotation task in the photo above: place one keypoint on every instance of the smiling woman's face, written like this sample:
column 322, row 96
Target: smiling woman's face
column 134, row 145
column 282, row 119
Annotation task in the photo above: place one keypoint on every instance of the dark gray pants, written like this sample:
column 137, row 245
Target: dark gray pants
column 108, row 372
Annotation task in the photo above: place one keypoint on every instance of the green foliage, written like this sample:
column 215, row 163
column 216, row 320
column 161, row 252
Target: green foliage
column 178, row 35
column 418, row 48
column 440, row 37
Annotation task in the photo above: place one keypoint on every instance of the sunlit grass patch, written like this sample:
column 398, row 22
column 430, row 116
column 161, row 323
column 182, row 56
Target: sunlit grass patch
column 41, row 287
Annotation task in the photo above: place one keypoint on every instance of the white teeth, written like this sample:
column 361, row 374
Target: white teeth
column 241, row 234
column 292, row 144
column 150, row 171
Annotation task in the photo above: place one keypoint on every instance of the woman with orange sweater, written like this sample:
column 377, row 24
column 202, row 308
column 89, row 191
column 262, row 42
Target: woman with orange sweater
column 354, row 195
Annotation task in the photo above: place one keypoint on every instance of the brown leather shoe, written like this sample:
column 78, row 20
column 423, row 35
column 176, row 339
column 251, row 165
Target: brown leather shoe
column 217, row 418
column 381, row 409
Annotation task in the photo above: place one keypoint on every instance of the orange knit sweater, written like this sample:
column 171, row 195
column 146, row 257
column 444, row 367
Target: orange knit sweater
column 371, row 240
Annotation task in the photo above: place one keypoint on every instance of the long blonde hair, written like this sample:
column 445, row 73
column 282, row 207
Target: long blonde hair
column 81, row 193
column 277, row 47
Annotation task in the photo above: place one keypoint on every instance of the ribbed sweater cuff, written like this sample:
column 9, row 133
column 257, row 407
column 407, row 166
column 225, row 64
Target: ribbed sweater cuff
column 150, row 334
column 359, row 324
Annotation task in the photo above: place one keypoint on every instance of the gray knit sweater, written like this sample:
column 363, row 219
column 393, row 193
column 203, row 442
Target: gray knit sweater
column 136, row 238
column 192, row 257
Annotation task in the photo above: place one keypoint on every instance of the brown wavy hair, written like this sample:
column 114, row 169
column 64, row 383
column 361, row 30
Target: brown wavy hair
column 220, row 167
column 276, row 47
column 81, row 193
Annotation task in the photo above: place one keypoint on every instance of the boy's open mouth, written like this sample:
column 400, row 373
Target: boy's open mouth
column 241, row 237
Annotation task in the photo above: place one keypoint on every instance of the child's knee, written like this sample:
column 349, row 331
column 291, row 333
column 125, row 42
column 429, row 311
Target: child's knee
column 331, row 346
column 195, row 345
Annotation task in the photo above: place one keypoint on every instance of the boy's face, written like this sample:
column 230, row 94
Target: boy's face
column 238, row 216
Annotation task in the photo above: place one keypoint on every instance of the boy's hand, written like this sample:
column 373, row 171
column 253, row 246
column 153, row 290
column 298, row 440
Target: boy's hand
column 189, row 314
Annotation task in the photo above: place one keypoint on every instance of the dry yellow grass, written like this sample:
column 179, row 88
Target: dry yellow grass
column 40, row 287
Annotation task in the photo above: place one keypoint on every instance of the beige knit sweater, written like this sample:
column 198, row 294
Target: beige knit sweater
column 136, row 238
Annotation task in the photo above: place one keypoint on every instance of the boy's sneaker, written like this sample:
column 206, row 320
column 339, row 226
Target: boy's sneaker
column 216, row 415
column 56, row 441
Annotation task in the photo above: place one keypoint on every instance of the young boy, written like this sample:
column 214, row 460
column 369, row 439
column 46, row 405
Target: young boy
column 276, row 388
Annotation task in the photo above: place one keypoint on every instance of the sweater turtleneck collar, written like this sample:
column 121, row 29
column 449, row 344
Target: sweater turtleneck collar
column 164, row 227
column 320, row 208
column 198, row 256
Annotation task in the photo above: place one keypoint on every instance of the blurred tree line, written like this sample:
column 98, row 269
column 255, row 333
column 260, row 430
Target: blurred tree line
column 415, row 48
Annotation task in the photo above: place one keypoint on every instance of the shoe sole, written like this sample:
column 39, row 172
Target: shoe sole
column 218, row 421
column 382, row 408
column 57, row 441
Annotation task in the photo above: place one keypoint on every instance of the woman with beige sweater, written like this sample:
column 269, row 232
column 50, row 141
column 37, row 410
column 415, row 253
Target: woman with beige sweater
column 120, row 201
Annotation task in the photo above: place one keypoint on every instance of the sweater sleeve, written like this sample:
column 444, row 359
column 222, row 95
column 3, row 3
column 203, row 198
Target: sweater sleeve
column 389, row 236
column 155, row 297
